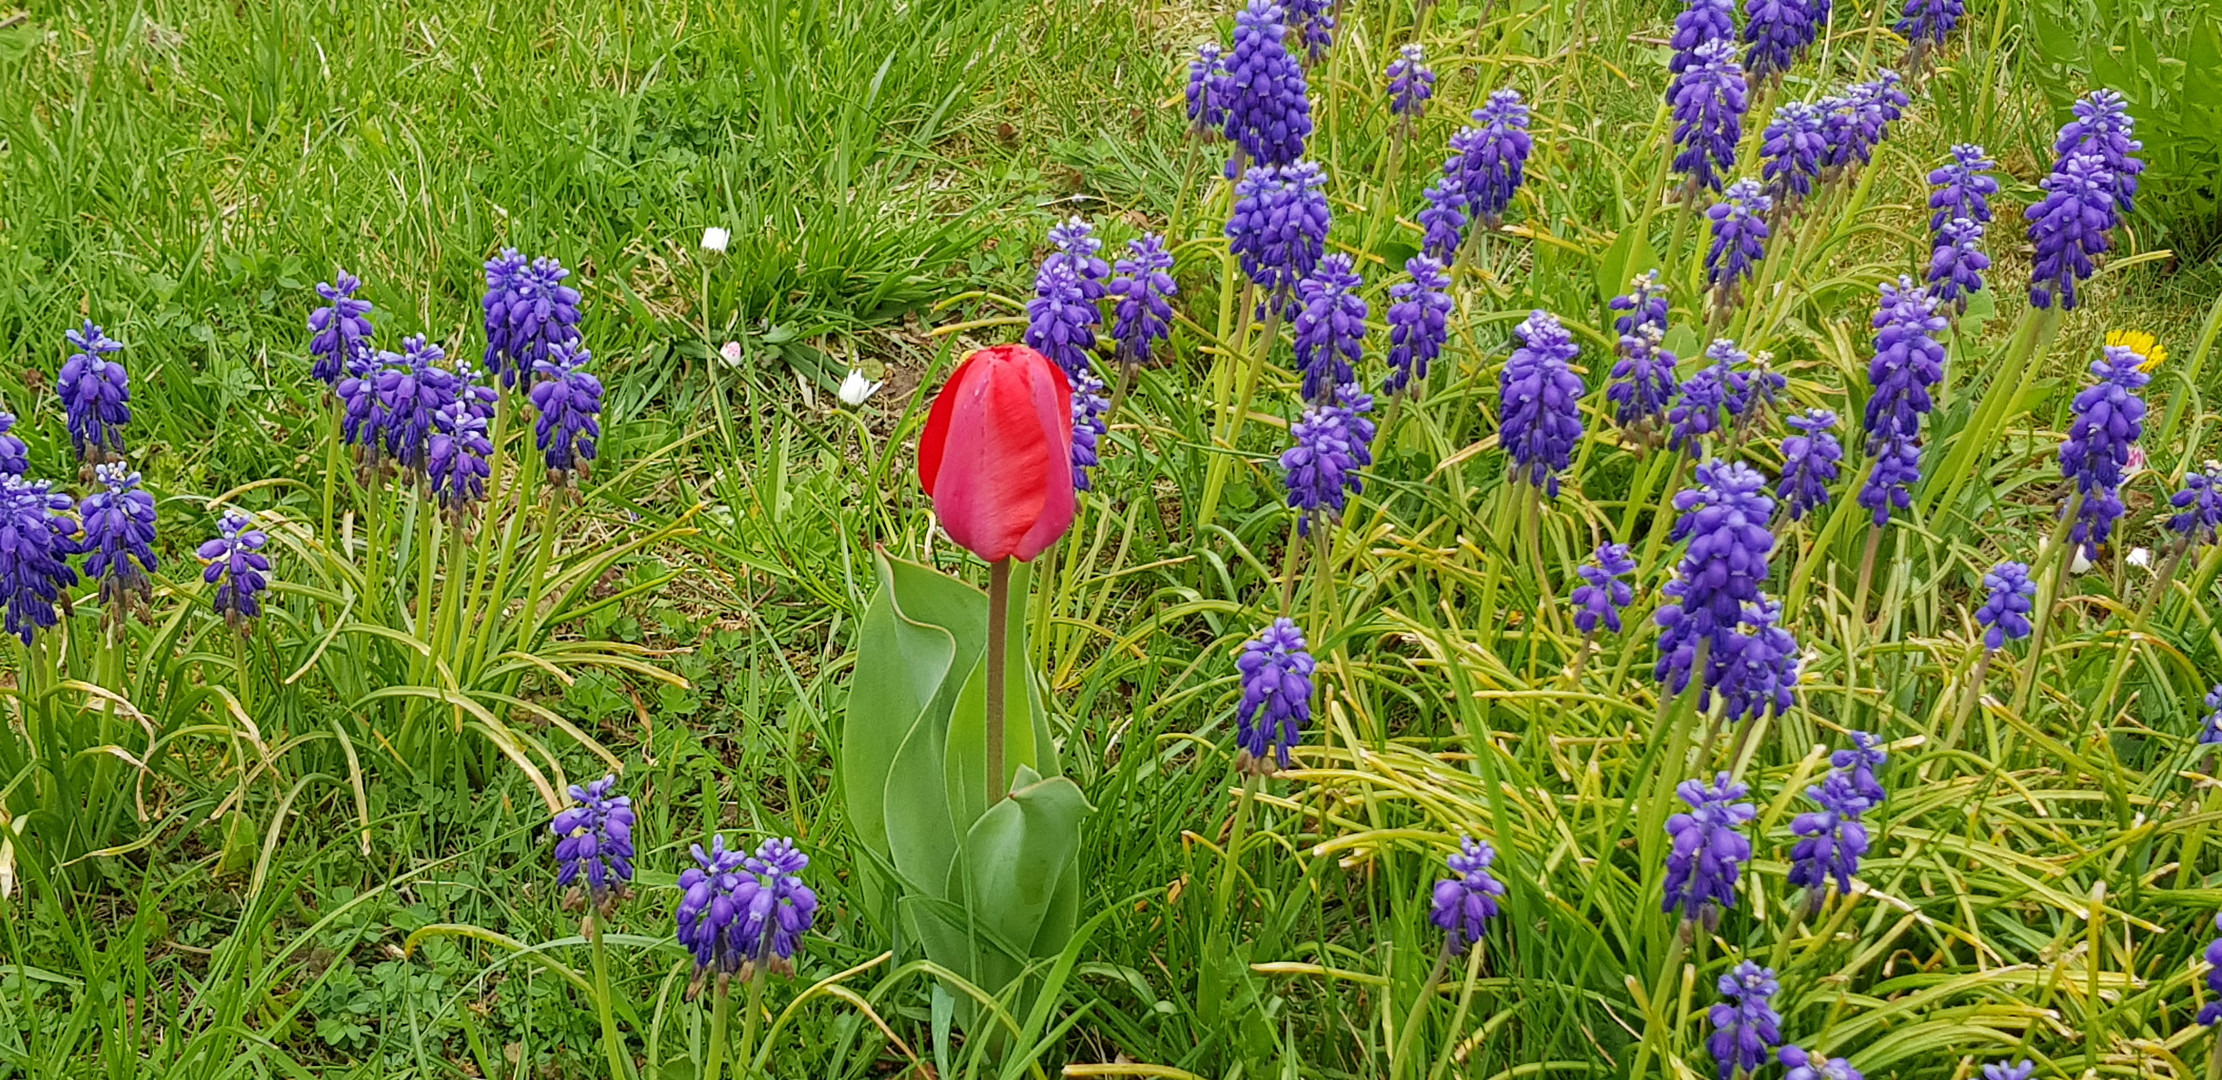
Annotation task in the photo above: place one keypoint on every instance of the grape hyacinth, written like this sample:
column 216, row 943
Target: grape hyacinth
column 1831, row 839
column 35, row 545
column 15, row 456
column 2211, row 1013
column 1760, row 665
column 1725, row 520
column 409, row 393
column 2008, row 598
column 1644, row 383
column 1859, row 121
column 1419, row 322
column 1889, row 484
column 1709, row 99
column 2199, row 505
column 594, row 839
column 1313, row 22
column 1269, row 112
column 1466, row 901
column 1331, row 327
column 1963, row 187
column 1809, row 463
column 773, row 908
column 1207, row 90
column 2109, row 419
column 456, row 463
column 1700, row 22
column 529, row 311
column 1077, row 244
column 1790, row 150
column 569, row 400
column 1805, row 1066
column 1755, row 392
column 1276, row 670
column 1925, row 23
column 1143, row 315
column 1444, row 219
column 1860, row 762
column 1333, row 441
column 1279, row 227
column 1061, row 319
column 1908, row 361
column 708, row 912
column 2210, row 733
column 1491, row 157
column 2102, row 126
column 362, row 418
column 1956, row 265
column 1739, row 239
column 1709, row 849
column 1776, row 31
column 2068, row 227
column 119, row 538
column 339, row 330
column 236, row 566
column 96, row 394
column 2020, row 1070
column 1541, row 401
column 1602, row 594
column 1411, row 85
column 1745, row 1024
column 1089, row 426
column 1696, row 413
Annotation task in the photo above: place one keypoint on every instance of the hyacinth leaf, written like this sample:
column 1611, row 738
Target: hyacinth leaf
column 1018, row 867
column 1628, row 256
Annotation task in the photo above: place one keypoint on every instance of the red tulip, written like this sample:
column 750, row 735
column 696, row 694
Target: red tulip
column 997, row 454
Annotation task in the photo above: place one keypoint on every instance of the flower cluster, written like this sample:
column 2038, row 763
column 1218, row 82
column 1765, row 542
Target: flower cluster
column 1090, row 424
column 529, row 310
column 1739, row 239
column 411, row 388
column 1720, row 576
column 2008, row 597
column 1758, row 666
column 339, row 330
column 1831, row 840
column 2211, row 1013
column 1419, row 322
column 1957, row 263
column 1143, row 315
column 2109, row 419
column 1490, row 159
column 2198, row 506
column 1313, row 23
column 1541, row 399
column 1790, row 150
column 1207, row 89
column 1279, row 226
column 1444, row 219
column 2068, row 227
column 1925, row 23
column 1745, row 1024
column 1709, row 98
column 1908, row 361
column 35, row 545
column 1809, row 463
column 1857, row 122
column 1062, row 317
column 237, row 567
column 119, row 538
column 2102, row 126
column 569, row 399
column 1709, row 849
column 1276, row 671
column 1717, row 387
column 1776, row 31
column 741, row 914
column 1411, row 84
column 1962, row 187
column 2210, row 732
column 1269, row 110
column 1467, row 900
column 1644, row 382
column 1805, row 1066
column 1699, row 22
column 594, row 840
column 1601, row 595
column 1333, row 440
column 15, row 456
column 96, row 395
column 1330, row 328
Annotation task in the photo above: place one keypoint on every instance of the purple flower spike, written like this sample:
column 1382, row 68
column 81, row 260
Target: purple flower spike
column 1541, row 402
column 2199, row 506
column 1411, row 85
column 1700, row 22
column 1313, row 22
column 1809, row 463
column 1709, row 849
column 96, row 393
column 1761, row 665
column 1491, row 157
column 2102, row 126
column 2068, row 227
column 1832, row 839
column 1444, row 219
column 15, row 456
column 1790, row 150
column 1739, row 239
column 2020, row 1070
column 2210, row 732
column 708, row 911
column 2212, row 1012
column 569, row 400
column 1644, row 383
column 119, row 537
column 1956, row 266
column 1207, row 90
column 1467, row 900
column 1908, row 361
column 2109, row 419
column 1804, row 1066
column 774, row 909
column 1725, row 520
column 1279, row 227
column 594, row 840
column 1925, row 23
column 1709, row 98
column 1331, row 328
column 1419, row 322
column 1276, row 670
column 1716, row 387
column 1602, row 594
column 1745, row 1024
column 1145, row 288
column 1269, row 112
column 1860, row 120
column 1776, row 31
column 409, row 393
column 1089, row 426
column 1333, row 441
column 35, row 545
column 529, row 310
column 2008, row 598
column 1077, row 244
column 236, row 566
column 1061, row 319
column 457, row 465
column 1963, row 187
column 339, row 330
column 1888, row 488
column 1860, row 762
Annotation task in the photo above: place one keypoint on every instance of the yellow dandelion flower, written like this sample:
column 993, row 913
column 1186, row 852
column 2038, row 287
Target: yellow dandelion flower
column 2141, row 343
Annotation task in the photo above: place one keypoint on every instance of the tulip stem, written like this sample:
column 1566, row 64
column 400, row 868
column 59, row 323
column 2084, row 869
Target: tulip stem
column 999, row 602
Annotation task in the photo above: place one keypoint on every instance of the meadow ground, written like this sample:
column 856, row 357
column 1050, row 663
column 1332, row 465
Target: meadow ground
column 321, row 850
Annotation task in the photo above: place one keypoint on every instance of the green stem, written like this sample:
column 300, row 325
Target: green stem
column 528, row 624
column 1658, row 1014
column 753, row 1022
column 1230, row 870
column 2048, row 596
column 1216, row 480
column 999, row 612
column 715, row 1066
column 1419, row 1009
column 613, row 1044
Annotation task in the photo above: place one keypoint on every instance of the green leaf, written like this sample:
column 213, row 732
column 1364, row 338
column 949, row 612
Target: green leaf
column 901, row 664
column 1628, row 256
column 1016, row 861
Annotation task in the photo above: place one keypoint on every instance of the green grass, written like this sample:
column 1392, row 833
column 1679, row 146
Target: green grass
column 182, row 172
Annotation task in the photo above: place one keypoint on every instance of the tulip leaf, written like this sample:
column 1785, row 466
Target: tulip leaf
column 1016, row 861
column 905, row 652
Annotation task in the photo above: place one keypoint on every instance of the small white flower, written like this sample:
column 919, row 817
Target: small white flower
column 2142, row 558
column 714, row 239
column 856, row 388
column 2078, row 563
column 730, row 352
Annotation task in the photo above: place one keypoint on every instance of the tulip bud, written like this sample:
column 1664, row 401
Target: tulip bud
column 996, row 454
